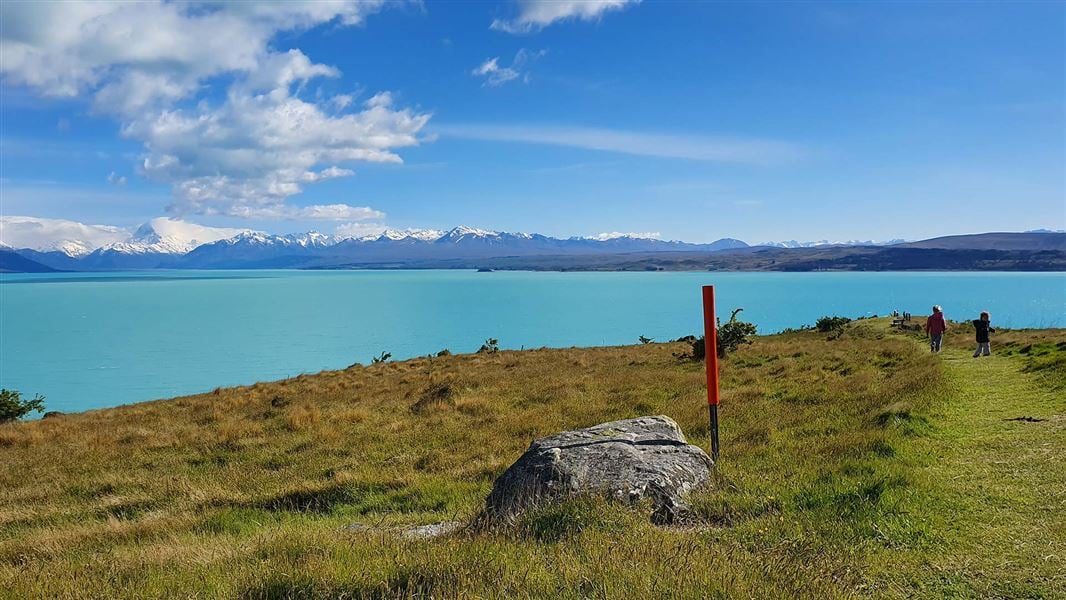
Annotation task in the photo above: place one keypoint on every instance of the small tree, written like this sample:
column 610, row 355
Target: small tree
column 383, row 357
column 491, row 346
column 730, row 336
column 13, row 407
column 646, row 340
column 733, row 334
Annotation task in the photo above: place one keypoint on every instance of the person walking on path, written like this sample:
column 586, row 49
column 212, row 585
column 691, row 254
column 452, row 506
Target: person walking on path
column 935, row 326
column 983, row 327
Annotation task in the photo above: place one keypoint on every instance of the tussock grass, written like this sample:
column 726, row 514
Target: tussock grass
column 847, row 463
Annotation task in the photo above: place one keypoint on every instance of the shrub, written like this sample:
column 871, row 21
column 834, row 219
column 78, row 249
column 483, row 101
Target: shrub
column 383, row 357
column 13, row 407
column 445, row 352
column 831, row 324
column 491, row 346
column 646, row 340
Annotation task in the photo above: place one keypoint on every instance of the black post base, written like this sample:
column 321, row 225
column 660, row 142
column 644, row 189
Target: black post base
column 714, row 431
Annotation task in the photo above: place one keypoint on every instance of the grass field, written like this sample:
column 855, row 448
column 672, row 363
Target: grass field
column 853, row 467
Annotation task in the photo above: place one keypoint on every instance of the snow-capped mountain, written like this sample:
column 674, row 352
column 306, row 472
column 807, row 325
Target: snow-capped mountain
column 170, row 236
column 72, row 248
column 815, row 244
column 255, row 249
column 464, row 233
column 395, row 235
column 397, row 248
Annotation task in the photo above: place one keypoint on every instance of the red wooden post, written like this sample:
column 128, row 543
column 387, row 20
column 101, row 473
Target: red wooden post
column 710, row 353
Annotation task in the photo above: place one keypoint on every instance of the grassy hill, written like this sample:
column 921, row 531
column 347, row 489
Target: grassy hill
column 854, row 467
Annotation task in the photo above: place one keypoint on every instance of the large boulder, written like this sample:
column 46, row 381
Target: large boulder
column 646, row 458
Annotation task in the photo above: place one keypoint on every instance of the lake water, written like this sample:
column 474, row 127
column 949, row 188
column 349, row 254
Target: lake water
column 95, row 340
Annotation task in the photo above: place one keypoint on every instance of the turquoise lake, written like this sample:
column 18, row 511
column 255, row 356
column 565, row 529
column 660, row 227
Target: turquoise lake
column 95, row 340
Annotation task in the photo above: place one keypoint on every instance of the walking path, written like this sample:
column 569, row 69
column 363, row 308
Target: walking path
column 1001, row 480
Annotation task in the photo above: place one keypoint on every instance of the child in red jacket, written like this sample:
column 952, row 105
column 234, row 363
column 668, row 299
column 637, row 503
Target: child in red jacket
column 935, row 326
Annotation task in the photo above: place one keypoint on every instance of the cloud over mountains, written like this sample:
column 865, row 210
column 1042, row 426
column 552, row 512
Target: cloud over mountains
column 155, row 67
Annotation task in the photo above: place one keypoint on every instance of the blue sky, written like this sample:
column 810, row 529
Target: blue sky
column 691, row 120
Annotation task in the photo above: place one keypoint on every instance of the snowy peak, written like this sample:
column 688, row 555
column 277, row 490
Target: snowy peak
column 396, row 235
column 170, row 236
column 259, row 239
column 463, row 232
column 72, row 248
column 616, row 235
column 311, row 239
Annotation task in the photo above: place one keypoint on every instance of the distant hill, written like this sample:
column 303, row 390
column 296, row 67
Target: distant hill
column 13, row 262
column 994, row 241
column 829, row 258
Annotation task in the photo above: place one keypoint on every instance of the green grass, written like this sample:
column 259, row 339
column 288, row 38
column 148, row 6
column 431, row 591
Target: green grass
column 853, row 467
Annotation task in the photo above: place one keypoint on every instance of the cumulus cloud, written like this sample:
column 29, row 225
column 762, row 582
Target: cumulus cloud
column 246, row 156
column 534, row 15
column 115, row 179
column 495, row 75
column 242, row 154
column 159, row 50
column 662, row 145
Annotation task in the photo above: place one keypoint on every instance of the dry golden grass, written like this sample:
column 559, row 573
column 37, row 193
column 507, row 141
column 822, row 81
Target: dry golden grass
column 247, row 491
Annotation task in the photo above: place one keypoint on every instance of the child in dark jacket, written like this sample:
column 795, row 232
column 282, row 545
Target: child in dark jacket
column 983, row 327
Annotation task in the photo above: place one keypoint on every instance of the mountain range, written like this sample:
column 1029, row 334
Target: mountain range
column 169, row 244
column 155, row 245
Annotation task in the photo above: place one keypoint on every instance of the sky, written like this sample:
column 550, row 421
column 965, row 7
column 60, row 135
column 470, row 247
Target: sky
column 683, row 120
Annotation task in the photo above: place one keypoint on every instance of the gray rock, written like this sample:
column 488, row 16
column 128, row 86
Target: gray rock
column 433, row 530
column 418, row 532
column 646, row 458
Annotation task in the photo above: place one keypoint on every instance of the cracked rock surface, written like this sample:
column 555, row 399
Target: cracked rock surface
column 646, row 458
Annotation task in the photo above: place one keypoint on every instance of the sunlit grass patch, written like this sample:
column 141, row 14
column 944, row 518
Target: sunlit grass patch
column 849, row 468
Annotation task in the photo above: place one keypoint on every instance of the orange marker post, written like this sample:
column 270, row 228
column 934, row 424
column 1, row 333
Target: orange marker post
column 710, row 353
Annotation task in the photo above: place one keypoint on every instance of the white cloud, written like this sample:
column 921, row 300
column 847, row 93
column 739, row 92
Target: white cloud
column 493, row 73
column 341, row 101
column 534, row 15
column 162, row 50
column 115, row 179
column 496, row 75
column 191, row 231
column 78, row 238
column 358, row 230
column 242, row 155
column 246, row 156
column 54, row 234
column 663, row 145
column 322, row 212
column 646, row 235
